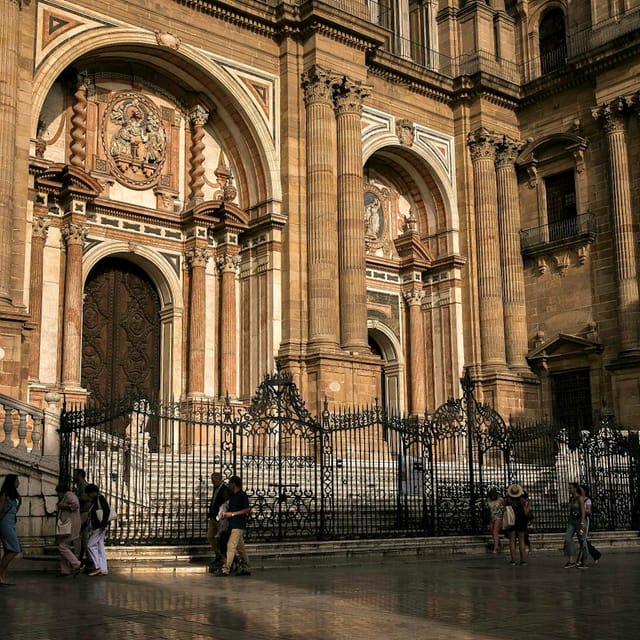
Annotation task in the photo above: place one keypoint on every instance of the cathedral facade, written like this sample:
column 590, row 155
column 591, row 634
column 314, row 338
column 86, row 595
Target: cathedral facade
column 370, row 194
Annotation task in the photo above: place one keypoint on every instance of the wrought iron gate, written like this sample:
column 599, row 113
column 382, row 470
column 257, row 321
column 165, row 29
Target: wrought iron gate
column 347, row 475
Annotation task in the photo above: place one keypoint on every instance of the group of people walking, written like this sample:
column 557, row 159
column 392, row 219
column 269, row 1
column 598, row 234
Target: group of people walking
column 511, row 516
column 82, row 517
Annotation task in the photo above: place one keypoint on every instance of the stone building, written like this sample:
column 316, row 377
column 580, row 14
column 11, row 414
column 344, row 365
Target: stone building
column 373, row 194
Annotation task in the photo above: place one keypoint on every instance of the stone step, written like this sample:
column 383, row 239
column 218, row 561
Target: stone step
column 184, row 558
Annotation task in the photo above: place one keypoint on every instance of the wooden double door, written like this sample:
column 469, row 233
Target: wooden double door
column 120, row 333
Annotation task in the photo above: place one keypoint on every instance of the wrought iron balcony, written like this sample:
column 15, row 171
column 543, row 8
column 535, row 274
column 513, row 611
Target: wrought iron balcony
column 580, row 228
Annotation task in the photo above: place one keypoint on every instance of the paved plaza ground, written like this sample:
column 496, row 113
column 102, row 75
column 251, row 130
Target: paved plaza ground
column 472, row 598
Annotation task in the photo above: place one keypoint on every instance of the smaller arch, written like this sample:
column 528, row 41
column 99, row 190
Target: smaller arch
column 552, row 39
column 160, row 271
column 393, row 376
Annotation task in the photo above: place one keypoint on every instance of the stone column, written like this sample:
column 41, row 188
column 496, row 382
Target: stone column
column 323, row 299
column 351, row 224
column 197, row 260
column 626, row 266
column 74, row 236
column 417, row 395
column 197, row 119
column 78, row 149
column 229, row 265
column 515, row 313
column 491, row 317
column 9, row 39
column 38, row 240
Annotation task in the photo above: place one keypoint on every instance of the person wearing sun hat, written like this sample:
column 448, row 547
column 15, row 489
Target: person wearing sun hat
column 518, row 499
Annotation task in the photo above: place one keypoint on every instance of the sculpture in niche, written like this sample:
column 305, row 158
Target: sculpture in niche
column 374, row 215
column 134, row 140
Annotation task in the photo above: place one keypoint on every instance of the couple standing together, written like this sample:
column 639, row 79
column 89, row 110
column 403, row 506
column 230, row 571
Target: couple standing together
column 228, row 511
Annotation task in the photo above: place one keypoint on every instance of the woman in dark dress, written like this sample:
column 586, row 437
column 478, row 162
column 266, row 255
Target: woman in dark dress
column 517, row 499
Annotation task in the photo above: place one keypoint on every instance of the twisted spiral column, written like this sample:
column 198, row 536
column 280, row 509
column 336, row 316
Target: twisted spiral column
column 197, row 119
column 78, row 148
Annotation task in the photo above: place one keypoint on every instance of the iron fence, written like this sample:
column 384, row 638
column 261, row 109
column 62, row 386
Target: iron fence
column 345, row 475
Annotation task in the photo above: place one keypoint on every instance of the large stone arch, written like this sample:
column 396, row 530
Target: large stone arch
column 426, row 173
column 169, row 289
column 257, row 145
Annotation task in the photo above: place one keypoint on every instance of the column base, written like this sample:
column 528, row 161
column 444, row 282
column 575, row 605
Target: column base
column 344, row 379
column 510, row 393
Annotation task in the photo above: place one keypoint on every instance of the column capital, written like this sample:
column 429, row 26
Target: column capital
column 348, row 96
column 612, row 115
column 74, row 233
column 318, row 85
column 413, row 297
column 198, row 116
column 228, row 263
column 482, row 144
column 40, row 227
column 507, row 151
column 197, row 257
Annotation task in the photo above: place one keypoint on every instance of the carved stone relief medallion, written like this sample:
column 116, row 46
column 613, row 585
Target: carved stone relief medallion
column 376, row 219
column 134, row 139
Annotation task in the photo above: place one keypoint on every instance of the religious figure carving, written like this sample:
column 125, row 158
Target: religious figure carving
column 135, row 140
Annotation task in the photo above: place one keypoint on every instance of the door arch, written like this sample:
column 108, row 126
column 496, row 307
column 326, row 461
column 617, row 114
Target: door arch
column 120, row 332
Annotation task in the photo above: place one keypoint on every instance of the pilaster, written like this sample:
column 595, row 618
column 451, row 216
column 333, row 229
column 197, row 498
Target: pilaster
column 417, row 395
column 197, row 258
column 40, row 230
column 198, row 117
column 229, row 268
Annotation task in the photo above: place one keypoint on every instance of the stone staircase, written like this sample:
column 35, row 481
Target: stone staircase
column 295, row 555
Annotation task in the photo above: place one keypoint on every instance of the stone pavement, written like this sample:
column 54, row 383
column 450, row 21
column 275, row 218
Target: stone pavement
column 462, row 598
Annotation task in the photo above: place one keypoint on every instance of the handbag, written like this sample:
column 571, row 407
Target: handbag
column 509, row 517
column 112, row 514
column 63, row 527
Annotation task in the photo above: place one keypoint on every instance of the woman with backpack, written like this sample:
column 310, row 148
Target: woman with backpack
column 97, row 523
column 576, row 525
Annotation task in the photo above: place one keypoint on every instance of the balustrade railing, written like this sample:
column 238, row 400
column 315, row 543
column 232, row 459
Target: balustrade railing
column 28, row 430
column 582, row 225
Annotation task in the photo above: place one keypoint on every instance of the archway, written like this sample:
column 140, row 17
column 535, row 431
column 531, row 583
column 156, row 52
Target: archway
column 382, row 343
column 120, row 334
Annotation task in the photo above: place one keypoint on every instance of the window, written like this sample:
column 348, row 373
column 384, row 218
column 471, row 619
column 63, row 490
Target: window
column 562, row 215
column 553, row 42
column 572, row 400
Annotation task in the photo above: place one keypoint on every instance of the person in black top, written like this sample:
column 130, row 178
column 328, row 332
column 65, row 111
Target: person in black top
column 237, row 515
column 220, row 495
column 97, row 523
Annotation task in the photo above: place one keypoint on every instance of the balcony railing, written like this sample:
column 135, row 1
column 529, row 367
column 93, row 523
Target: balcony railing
column 581, row 227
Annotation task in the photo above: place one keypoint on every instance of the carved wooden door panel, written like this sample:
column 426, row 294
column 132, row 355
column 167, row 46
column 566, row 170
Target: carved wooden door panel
column 120, row 333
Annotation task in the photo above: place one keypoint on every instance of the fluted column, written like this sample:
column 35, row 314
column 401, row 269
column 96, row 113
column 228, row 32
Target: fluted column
column 228, row 265
column 515, row 314
column 491, row 317
column 9, row 44
column 323, row 299
column 626, row 266
column 417, row 393
column 197, row 119
column 38, row 240
column 78, row 149
column 197, row 260
column 74, row 236
column 351, row 227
